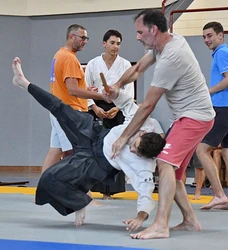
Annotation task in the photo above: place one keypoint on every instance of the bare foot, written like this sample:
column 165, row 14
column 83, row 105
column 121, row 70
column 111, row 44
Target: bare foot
column 151, row 232
column 19, row 79
column 94, row 202
column 221, row 207
column 107, row 197
column 196, row 197
column 133, row 224
column 79, row 217
column 97, row 203
column 188, row 226
column 214, row 202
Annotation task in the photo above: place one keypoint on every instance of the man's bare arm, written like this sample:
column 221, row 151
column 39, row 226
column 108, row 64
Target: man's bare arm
column 130, row 75
column 136, row 70
column 153, row 95
column 74, row 90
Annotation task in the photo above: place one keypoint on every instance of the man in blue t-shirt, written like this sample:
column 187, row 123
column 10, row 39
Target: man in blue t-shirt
column 213, row 35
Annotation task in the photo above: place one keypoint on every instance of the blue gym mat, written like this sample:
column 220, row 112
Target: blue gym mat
column 37, row 245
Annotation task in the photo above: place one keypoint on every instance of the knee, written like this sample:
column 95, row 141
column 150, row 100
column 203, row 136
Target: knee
column 163, row 166
column 202, row 149
column 179, row 183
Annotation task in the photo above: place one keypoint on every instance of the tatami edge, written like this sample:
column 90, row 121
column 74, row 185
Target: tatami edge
column 128, row 195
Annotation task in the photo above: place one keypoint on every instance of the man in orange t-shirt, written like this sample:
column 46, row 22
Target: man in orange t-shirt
column 67, row 82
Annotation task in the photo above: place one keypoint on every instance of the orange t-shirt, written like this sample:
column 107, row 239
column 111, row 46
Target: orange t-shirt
column 65, row 64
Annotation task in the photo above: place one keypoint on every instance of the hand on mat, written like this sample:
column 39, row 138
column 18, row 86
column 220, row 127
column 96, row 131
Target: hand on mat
column 133, row 224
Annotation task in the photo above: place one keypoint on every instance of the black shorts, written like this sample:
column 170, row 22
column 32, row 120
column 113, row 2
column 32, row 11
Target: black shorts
column 219, row 132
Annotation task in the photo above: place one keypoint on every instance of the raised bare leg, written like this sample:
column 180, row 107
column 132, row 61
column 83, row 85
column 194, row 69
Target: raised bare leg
column 19, row 78
column 167, row 188
column 190, row 223
column 204, row 155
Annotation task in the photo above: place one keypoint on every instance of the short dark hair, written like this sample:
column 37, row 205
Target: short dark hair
column 110, row 33
column 153, row 17
column 74, row 27
column 217, row 27
column 151, row 145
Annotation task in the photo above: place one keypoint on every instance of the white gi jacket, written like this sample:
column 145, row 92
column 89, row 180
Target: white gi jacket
column 139, row 170
column 112, row 75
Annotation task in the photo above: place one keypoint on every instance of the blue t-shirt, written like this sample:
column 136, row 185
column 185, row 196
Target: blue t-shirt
column 218, row 67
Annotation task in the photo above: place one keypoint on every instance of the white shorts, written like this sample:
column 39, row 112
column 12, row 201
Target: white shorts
column 58, row 136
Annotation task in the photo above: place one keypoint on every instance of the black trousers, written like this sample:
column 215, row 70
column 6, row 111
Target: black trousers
column 65, row 184
column 108, row 123
column 119, row 185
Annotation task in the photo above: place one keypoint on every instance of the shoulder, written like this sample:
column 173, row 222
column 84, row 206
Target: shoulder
column 153, row 120
column 177, row 45
column 174, row 50
column 222, row 51
column 94, row 60
column 123, row 59
column 125, row 63
column 178, row 38
column 65, row 57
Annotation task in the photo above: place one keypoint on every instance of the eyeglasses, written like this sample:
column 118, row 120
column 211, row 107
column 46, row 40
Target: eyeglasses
column 84, row 38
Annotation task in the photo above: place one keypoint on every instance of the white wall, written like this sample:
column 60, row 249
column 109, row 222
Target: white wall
column 191, row 24
column 53, row 7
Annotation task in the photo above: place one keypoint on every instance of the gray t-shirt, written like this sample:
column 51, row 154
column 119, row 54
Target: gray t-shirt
column 178, row 71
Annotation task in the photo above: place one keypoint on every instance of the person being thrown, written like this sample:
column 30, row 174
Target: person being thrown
column 65, row 184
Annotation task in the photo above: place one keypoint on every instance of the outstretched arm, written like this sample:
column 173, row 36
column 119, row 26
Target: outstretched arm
column 132, row 74
column 139, row 170
column 136, row 70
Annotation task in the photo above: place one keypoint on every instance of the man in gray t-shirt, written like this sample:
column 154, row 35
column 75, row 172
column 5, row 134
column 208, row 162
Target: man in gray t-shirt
column 177, row 75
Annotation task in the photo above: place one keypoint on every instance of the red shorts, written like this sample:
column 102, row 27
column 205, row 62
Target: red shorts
column 181, row 142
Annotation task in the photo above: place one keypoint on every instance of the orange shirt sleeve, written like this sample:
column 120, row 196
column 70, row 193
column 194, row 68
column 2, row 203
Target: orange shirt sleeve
column 71, row 70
